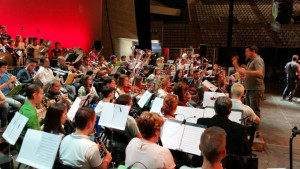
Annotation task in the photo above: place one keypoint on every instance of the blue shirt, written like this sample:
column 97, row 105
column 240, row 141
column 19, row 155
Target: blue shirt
column 2, row 81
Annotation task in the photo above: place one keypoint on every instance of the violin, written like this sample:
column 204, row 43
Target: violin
column 192, row 90
column 127, row 89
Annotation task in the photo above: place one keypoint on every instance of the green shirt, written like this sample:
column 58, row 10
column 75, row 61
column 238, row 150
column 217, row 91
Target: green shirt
column 29, row 111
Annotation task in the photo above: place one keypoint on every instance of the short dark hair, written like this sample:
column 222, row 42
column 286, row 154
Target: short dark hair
column 123, row 56
column 107, row 80
column 86, row 57
column 252, row 48
column 30, row 60
column 53, row 116
column 31, row 89
column 295, row 57
column 123, row 99
column 83, row 116
column 223, row 106
column 43, row 58
column 106, row 90
column 34, row 38
column 56, row 43
column 3, row 62
column 112, row 57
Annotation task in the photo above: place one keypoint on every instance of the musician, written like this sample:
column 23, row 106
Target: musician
column 108, row 80
column 178, row 76
column 131, row 59
column 4, row 107
column 170, row 106
column 54, row 92
column 108, row 93
column 26, row 75
column 4, row 32
column 25, row 41
column 123, row 82
column 86, row 65
column 195, row 82
column 221, row 82
column 112, row 62
column 93, row 55
column 77, row 149
column 137, row 83
column 33, row 50
column 7, row 84
column 123, row 58
column 56, row 51
column 102, row 65
column 55, row 118
column 236, row 139
column 190, row 73
column 144, row 152
column 61, row 64
column 181, row 89
column 19, row 43
column 162, row 85
column 87, row 87
column 152, row 78
column 182, row 63
column 44, row 73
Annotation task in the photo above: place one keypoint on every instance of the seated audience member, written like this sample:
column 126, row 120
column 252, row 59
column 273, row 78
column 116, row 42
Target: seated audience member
column 123, row 82
column 236, row 139
column 237, row 92
column 212, row 146
column 178, row 76
column 108, row 93
column 87, row 87
column 7, row 84
column 169, row 107
column 144, row 152
column 181, row 89
column 34, row 94
column 77, row 149
column 162, row 85
column 26, row 75
column 195, row 82
column 55, row 118
column 131, row 129
column 44, row 73
column 4, row 107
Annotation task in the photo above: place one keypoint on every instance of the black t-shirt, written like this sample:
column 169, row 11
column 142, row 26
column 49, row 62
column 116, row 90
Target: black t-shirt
column 56, row 53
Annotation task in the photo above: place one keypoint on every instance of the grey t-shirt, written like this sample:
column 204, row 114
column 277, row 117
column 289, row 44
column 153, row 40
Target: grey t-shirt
column 255, row 82
column 291, row 69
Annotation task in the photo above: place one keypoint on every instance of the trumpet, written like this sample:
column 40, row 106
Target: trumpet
column 16, row 82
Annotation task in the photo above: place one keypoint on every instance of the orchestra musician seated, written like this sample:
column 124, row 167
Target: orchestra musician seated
column 55, row 118
column 56, row 51
column 170, row 106
column 88, row 88
column 87, row 66
column 221, row 82
column 33, row 50
column 26, row 75
column 93, row 55
column 77, row 149
column 7, row 83
column 113, row 60
column 236, row 139
column 195, row 82
column 181, row 89
column 162, row 85
column 122, row 85
column 102, row 65
column 178, row 76
column 54, row 92
column 4, row 107
column 153, row 78
column 61, row 64
column 108, row 93
column 144, row 152
column 44, row 73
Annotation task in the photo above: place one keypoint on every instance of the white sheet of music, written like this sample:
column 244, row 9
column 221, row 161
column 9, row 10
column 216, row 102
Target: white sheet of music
column 114, row 116
column 209, row 112
column 191, row 139
column 114, row 71
column 235, row 116
column 39, row 149
column 74, row 108
column 209, row 98
column 86, row 99
column 157, row 105
column 14, row 128
column 146, row 96
column 210, row 86
column 171, row 135
column 188, row 113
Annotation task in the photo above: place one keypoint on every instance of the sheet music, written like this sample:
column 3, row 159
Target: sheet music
column 15, row 90
column 191, row 139
column 157, row 105
column 74, row 108
column 14, row 128
column 171, row 135
column 114, row 116
column 146, row 96
column 39, row 149
column 188, row 113
column 209, row 112
column 210, row 98
column 114, row 71
column 210, row 86
column 70, row 78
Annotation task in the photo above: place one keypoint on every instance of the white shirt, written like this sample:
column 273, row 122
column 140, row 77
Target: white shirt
column 46, row 75
column 99, row 108
column 237, row 104
column 149, row 154
column 79, row 151
column 161, row 93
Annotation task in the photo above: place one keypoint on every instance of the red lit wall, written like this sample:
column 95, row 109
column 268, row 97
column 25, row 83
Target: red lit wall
column 73, row 23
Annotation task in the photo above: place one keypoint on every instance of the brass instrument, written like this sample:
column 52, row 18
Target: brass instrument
column 17, row 82
column 45, row 102
column 68, row 101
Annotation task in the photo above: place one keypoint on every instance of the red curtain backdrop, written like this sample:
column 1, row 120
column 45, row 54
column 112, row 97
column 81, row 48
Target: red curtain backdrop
column 73, row 23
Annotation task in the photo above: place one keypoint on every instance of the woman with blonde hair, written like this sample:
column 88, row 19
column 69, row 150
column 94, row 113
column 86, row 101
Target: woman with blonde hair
column 123, row 82
column 162, row 85
column 169, row 107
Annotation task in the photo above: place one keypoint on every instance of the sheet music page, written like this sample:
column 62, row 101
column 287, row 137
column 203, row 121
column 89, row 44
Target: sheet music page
column 70, row 78
column 210, row 86
column 191, row 139
column 87, row 99
column 14, row 128
column 188, row 113
column 114, row 71
column 144, row 99
column 171, row 134
column 39, row 149
column 235, row 116
column 137, row 65
column 107, row 114
column 120, row 116
column 74, row 108
column 209, row 98
column 209, row 112
column 157, row 105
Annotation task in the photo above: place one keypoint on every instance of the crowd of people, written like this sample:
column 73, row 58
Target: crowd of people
column 46, row 100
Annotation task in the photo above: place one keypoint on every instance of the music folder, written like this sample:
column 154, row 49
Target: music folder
column 14, row 128
column 157, row 105
column 114, row 71
column 74, row 108
column 210, row 86
column 236, row 115
column 209, row 98
column 39, row 149
column 114, row 116
column 183, row 137
column 15, row 90
column 146, row 96
column 70, row 78
column 190, row 114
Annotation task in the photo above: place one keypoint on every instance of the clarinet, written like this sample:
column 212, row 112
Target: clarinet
column 102, row 146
